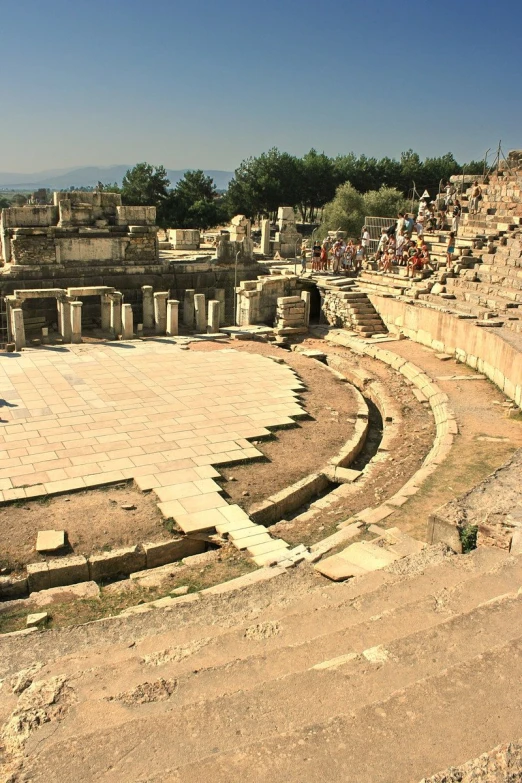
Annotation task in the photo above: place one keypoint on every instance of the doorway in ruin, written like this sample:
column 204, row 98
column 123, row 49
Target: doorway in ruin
column 91, row 312
column 39, row 312
column 315, row 305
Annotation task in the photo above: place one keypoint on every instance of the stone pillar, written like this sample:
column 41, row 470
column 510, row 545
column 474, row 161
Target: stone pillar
column 105, row 312
column 116, row 302
column 213, row 316
column 265, row 237
column 76, row 322
column 305, row 296
column 148, row 307
column 11, row 303
column 5, row 240
column 219, row 294
column 160, row 311
column 127, row 322
column 64, row 319
column 201, row 316
column 18, row 328
column 188, row 308
column 172, row 317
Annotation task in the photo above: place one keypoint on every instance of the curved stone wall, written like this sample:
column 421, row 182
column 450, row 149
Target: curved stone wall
column 485, row 350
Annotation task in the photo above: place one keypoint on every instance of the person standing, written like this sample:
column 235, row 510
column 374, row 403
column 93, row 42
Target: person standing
column 383, row 241
column 303, row 258
column 365, row 241
column 337, row 253
column 399, row 227
column 476, row 196
column 316, row 257
column 450, row 249
column 457, row 211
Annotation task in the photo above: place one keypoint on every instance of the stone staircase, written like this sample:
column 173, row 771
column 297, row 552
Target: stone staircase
column 485, row 279
column 294, row 679
column 346, row 305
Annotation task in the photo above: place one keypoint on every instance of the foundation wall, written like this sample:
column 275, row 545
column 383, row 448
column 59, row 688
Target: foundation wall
column 484, row 350
column 205, row 278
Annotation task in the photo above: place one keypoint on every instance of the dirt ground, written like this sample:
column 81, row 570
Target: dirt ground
column 95, row 520
column 296, row 452
column 486, row 440
column 117, row 596
column 413, row 443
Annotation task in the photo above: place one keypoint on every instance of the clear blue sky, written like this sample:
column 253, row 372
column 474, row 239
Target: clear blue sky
column 206, row 83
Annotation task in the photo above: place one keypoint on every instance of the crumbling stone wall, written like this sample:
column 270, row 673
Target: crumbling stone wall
column 32, row 247
column 336, row 309
column 142, row 248
column 85, row 228
column 493, row 506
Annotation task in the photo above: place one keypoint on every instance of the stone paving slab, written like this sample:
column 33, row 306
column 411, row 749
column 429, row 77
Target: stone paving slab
column 91, row 415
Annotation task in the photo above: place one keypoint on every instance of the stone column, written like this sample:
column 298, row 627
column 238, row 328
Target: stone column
column 64, row 319
column 160, row 311
column 188, row 308
column 201, row 316
column 127, row 322
column 11, row 303
column 172, row 317
column 305, row 296
column 105, row 312
column 76, row 322
column 148, row 307
column 219, row 294
column 213, row 316
column 18, row 328
column 116, row 302
column 265, row 237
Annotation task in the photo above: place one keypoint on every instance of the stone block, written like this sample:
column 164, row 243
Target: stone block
column 515, row 546
column 164, row 552
column 68, row 571
column 368, row 556
column 65, row 594
column 120, row 561
column 38, row 577
column 50, row 540
column 34, row 620
column 338, row 569
column 13, row 587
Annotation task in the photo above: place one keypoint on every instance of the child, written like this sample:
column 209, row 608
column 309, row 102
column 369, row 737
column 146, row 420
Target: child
column 450, row 249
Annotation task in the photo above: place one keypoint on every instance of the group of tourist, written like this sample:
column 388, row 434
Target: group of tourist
column 337, row 255
column 397, row 245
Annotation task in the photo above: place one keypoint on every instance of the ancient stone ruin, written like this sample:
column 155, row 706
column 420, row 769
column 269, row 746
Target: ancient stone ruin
column 267, row 522
column 80, row 228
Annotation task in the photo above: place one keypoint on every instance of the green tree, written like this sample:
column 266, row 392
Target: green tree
column 108, row 187
column 317, row 183
column 145, row 185
column 4, row 203
column 344, row 212
column 19, row 200
column 195, row 186
column 261, row 185
column 385, row 202
column 194, row 203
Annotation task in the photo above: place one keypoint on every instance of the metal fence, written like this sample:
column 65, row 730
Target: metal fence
column 375, row 226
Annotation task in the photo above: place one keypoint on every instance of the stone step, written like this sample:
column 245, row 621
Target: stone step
column 247, row 668
column 454, row 669
column 438, row 712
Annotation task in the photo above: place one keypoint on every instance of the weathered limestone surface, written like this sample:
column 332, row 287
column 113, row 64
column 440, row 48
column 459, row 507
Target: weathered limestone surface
column 83, row 228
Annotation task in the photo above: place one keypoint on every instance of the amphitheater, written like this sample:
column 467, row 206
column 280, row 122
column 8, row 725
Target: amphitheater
column 273, row 529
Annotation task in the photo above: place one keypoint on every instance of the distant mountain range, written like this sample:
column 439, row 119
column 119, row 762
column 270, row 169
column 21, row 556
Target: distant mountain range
column 86, row 176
